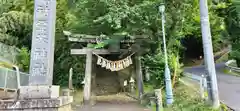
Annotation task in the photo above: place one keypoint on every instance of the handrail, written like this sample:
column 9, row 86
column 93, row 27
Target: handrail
column 13, row 77
column 17, row 72
column 18, row 76
column 201, row 80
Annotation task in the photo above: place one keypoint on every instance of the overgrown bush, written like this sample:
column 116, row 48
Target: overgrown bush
column 233, row 27
column 187, row 99
column 156, row 66
column 23, row 59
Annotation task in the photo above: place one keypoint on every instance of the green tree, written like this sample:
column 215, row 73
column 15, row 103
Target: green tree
column 233, row 27
column 108, row 17
column 16, row 30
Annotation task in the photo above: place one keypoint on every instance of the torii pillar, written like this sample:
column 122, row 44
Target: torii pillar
column 88, row 69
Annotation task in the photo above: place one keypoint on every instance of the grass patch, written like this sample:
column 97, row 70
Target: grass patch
column 227, row 71
column 187, row 99
column 148, row 88
column 77, row 97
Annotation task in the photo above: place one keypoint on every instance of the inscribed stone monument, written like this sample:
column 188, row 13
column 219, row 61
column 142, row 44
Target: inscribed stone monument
column 43, row 38
column 41, row 95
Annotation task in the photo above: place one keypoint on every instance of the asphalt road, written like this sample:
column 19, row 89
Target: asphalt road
column 228, row 85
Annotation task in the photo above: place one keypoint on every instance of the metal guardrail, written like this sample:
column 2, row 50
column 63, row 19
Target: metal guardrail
column 202, row 83
column 12, row 79
column 232, row 68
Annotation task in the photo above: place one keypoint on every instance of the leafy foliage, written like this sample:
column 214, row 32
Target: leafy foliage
column 156, row 65
column 24, row 59
column 109, row 17
column 232, row 19
column 15, row 28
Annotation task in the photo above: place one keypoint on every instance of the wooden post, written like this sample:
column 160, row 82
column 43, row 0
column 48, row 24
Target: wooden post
column 88, row 71
column 70, row 84
column 139, row 76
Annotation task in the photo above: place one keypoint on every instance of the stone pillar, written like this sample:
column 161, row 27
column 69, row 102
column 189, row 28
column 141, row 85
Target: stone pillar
column 87, row 79
column 139, row 76
column 43, row 39
column 41, row 95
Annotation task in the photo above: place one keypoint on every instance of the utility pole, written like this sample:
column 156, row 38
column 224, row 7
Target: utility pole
column 208, row 54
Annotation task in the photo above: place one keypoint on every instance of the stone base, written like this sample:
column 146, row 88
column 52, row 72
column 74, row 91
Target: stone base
column 39, row 92
column 62, row 103
column 8, row 94
column 66, row 92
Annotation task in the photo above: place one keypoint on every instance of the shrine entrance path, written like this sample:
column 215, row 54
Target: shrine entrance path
column 112, row 107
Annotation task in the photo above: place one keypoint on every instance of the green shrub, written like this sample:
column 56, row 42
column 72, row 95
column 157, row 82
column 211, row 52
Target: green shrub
column 156, row 66
column 23, row 59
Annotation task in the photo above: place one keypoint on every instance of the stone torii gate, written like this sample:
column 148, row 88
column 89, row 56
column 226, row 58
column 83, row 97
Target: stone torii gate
column 81, row 38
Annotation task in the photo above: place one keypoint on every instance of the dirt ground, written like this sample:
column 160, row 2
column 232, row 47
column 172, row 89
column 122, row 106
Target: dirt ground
column 112, row 107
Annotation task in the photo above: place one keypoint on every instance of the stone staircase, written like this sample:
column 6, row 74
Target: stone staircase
column 106, row 82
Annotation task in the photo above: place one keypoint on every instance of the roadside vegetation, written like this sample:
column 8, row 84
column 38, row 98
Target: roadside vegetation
column 129, row 17
column 188, row 99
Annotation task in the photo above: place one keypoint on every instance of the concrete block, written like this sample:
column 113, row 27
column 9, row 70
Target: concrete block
column 39, row 92
column 66, row 92
column 8, row 94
